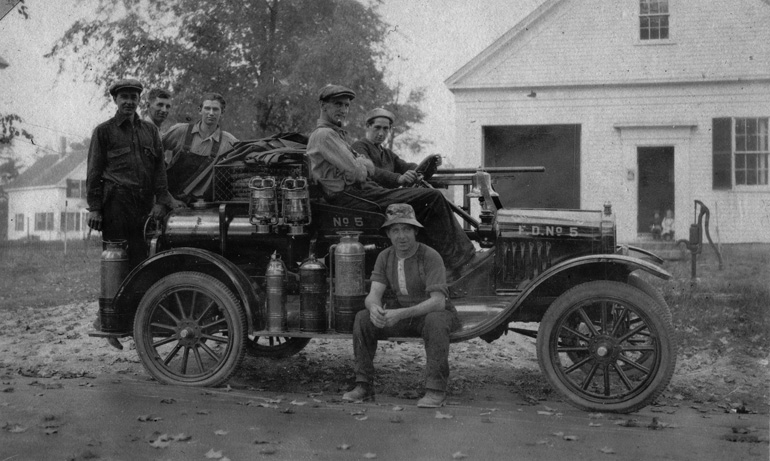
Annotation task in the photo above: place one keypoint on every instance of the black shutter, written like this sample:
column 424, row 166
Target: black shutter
column 722, row 145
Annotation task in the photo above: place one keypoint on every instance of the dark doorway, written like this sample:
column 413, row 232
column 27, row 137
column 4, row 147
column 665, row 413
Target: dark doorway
column 656, row 184
column 556, row 147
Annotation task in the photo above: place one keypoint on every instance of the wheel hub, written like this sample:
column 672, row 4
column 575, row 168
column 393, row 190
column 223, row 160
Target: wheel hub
column 188, row 333
column 604, row 349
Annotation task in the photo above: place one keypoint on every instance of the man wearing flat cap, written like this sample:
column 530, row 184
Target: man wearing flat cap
column 389, row 169
column 415, row 274
column 345, row 178
column 126, row 178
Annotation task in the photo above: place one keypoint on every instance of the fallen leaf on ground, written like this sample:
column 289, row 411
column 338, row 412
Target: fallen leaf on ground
column 607, row 450
column 149, row 418
column 440, row 415
column 361, row 418
column 459, row 455
column 397, row 408
column 344, row 446
column 168, row 401
column 571, row 438
column 50, row 431
column 627, row 422
column 220, row 432
column 298, row 403
column 594, row 424
column 203, row 412
column 545, row 413
column 357, row 412
column 370, row 455
column 268, row 451
column 211, row 454
column 595, row 415
column 181, row 437
column 559, row 434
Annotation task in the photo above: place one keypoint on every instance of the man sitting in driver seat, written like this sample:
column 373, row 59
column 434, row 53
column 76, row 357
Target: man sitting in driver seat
column 345, row 180
column 389, row 169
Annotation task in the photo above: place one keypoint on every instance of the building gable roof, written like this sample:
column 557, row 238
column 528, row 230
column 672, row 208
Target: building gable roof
column 579, row 42
column 48, row 171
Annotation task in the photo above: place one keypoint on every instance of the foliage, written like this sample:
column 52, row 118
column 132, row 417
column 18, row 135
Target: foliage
column 269, row 58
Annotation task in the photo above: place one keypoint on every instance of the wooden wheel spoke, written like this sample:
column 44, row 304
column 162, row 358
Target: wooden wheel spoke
column 623, row 377
column 164, row 341
column 631, row 333
column 216, row 339
column 210, row 351
column 607, row 385
column 603, row 309
column 587, row 320
column 620, row 318
column 214, row 323
column 576, row 333
column 172, row 354
column 206, row 310
column 578, row 365
column 590, row 376
column 198, row 360
column 163, row 326
column 180, row 305
column 165, row 309
column 185, row 358
column 634, row 364
column 192, row 304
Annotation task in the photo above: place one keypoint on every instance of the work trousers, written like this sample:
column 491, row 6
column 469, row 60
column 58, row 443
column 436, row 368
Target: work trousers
column 442, row 230
column 124, row 213
column 434, row 328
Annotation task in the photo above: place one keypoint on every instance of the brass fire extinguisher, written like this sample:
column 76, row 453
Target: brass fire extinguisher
column 276, row 294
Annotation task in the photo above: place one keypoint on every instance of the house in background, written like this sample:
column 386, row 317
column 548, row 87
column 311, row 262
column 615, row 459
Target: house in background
column 647, row 104
column 48, row 200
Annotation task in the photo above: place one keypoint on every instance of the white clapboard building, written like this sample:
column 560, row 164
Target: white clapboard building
column 647, row 104
column 48, row 200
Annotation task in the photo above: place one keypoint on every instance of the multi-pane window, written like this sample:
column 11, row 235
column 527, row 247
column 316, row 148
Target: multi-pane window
column 19, row 222
column 653, row 19
column 43, row 221
column 76, row 188
column 740, row 152
column 70, row 222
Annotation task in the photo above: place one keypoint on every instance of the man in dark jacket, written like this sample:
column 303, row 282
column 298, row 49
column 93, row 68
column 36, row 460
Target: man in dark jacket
column 126, row 178
column 390, row 170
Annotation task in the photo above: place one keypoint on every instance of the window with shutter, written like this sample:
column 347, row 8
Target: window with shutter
column 722, row 147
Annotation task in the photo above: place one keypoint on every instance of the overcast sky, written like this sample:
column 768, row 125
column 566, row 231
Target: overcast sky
column 433, row 38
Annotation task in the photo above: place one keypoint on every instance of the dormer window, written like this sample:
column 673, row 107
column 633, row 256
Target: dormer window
column 653, row 19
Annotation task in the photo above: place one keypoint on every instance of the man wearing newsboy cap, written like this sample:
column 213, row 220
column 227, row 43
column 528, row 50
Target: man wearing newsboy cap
column 126, row 178
column 345, row 178
column 414, row 272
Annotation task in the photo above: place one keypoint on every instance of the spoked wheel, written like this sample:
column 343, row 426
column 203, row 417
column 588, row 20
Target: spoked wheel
column 276, row 347
column 190, row 330
column 594, row 335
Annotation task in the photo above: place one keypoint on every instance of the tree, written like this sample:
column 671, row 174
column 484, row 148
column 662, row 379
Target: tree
column 269, row 58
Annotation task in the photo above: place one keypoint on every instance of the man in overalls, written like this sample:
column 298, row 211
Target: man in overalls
column 194, row 146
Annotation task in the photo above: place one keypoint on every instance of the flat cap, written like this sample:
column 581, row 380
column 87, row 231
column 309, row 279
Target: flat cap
column 126, row 83
column 380, row 112
column 334, row 91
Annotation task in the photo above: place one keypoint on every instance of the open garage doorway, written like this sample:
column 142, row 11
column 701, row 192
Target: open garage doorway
column 656, row 184
column 556, row 147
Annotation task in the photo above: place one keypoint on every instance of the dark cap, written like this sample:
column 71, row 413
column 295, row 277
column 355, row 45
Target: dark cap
column 400, row 213
column 334, row 91
column 380, row 112
column 125, row 84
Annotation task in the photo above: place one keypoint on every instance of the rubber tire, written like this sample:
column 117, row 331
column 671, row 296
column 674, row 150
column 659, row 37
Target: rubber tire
column 646, row 306
column 233, row 313
column 290, row 346
column 637, row 282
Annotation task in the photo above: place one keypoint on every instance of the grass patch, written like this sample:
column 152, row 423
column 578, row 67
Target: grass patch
column 722, row 309
column 40, row 274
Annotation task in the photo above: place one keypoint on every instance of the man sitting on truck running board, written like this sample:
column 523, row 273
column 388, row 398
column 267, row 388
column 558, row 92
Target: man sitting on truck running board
column 344, row 177
column 415, row 273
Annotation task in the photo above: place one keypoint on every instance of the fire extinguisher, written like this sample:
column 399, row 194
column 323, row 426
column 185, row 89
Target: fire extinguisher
column 276, row 294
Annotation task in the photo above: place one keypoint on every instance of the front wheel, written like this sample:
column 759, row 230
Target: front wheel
column 592, row 338
column 190, row 330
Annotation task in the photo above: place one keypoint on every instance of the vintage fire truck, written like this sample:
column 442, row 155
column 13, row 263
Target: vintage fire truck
column 263, row 265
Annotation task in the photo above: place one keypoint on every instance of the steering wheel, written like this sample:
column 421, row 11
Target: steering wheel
column 428, row 167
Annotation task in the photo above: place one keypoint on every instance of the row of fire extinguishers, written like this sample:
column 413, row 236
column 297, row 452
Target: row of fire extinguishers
column 348, row 290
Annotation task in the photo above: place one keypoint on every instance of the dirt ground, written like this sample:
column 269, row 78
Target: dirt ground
column 53, row 343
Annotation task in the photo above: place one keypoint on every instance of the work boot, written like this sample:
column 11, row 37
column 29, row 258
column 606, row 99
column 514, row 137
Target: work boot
column 432, row 399
column 115, row 343
column 362, row 393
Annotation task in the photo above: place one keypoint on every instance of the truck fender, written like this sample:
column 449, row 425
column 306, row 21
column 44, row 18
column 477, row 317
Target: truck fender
column 152, row 269
column 493, row 330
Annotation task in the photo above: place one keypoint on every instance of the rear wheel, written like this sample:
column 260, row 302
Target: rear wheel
column 275, row 347
column 190, row 330
column 591, row 338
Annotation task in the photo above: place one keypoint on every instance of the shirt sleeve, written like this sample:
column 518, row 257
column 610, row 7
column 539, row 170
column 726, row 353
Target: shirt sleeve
column 160, row 180
column 435, row 274
column 173, row 141
column 96, row 164
column 400, row 165
column 335, row 151
column 379, row 273
column 380, row 175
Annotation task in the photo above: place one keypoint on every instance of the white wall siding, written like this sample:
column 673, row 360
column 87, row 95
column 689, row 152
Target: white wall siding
column 615, row 121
